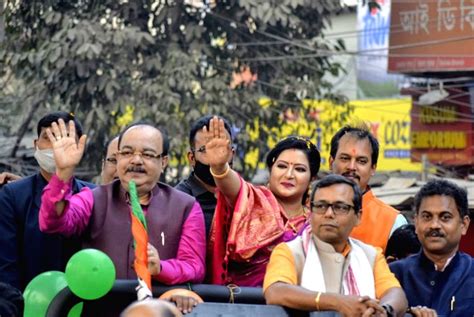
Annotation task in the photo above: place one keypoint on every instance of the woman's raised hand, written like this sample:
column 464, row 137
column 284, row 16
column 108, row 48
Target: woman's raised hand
column 218, row 150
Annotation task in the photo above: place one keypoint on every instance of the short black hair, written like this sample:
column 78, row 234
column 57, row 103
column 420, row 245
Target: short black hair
column 403, row 242
column 164, row 135
column 204, row 122
column 48, row 119
column 360, row 133
column 443, row 188
column 333, row 179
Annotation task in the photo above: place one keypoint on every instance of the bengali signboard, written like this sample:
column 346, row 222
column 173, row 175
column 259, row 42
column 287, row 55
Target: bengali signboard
column 443, row 131
column 431, row 36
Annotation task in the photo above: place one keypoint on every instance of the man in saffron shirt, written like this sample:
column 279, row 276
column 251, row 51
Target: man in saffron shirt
column 324, row 269
column 354, row 154
column 176, row 250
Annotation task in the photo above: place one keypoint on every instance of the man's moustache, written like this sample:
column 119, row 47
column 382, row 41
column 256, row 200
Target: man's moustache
column 349, row 174
column 136, row 169
column 434, row 233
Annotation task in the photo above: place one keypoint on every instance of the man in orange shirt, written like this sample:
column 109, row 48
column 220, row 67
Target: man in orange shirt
column 324, row 269
column 354, row 154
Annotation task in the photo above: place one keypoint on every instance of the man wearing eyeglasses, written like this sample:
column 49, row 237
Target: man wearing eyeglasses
column 109, row 162
column 176, row 249
column 200, row 183
column 324, row 269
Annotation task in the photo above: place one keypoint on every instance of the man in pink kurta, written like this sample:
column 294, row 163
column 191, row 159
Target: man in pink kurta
column 102, row 217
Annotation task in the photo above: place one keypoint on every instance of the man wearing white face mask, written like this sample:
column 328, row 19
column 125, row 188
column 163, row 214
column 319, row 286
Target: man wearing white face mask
column 25, row 251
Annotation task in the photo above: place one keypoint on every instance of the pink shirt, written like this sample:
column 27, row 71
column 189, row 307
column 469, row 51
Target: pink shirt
column 189, row 264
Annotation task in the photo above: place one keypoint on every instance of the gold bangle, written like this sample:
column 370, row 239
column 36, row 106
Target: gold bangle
column 220, row 176
column 317, row 300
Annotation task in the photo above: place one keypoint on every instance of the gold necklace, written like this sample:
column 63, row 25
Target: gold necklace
column 292, row 226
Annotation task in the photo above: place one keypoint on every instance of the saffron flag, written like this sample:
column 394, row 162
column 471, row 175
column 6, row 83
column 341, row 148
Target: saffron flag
column 140, row 236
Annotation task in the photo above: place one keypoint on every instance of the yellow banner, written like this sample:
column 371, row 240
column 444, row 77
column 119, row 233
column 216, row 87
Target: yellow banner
column 389, row 121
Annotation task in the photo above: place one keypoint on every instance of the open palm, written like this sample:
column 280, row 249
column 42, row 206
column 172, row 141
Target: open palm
column 67, row 151
column 218, row 149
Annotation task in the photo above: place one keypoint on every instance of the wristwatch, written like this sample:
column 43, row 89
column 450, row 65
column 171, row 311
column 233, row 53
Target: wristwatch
column 389, row 309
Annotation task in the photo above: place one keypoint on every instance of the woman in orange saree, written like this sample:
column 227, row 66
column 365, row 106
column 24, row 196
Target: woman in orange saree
column 250, row 220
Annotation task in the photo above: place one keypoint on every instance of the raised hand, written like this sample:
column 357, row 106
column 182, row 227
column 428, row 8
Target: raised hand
column 218, row 148
column 67, row 150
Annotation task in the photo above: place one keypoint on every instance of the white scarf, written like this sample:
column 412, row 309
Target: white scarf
column 358, row 280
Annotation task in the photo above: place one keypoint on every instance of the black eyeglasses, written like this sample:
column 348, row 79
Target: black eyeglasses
column 338, row 208
column 128, row 154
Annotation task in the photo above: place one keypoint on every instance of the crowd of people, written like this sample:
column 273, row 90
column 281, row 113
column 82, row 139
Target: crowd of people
column 312, row 244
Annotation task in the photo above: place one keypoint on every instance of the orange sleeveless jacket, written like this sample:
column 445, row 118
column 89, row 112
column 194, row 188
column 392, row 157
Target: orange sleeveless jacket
column 376, row 222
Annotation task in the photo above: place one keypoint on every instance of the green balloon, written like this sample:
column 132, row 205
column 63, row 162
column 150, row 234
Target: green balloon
column 90, row 274
column 76, row 311
column 40, row 292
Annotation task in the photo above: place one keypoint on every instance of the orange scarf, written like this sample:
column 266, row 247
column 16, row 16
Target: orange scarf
column 140, row 237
